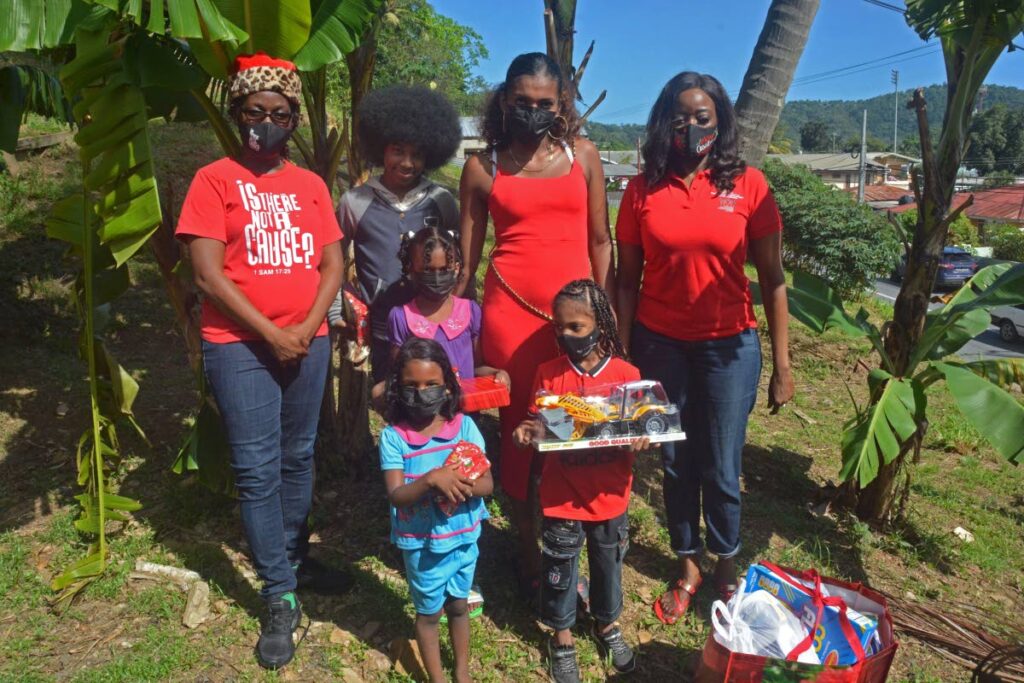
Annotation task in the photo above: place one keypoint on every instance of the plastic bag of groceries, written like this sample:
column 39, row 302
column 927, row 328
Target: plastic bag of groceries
column 758, row 624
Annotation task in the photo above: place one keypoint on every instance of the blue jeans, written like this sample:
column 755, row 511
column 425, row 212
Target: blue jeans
column 270, row 413
column 714, row 382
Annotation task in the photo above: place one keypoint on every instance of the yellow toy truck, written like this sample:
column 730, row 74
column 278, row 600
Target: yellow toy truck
column 631, row 409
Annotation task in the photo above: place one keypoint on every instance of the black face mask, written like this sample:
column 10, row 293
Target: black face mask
column 264, row 140
column 578, row 348
column 694, row 142
column 437, row 284
column 421, row 405
column 529, row 123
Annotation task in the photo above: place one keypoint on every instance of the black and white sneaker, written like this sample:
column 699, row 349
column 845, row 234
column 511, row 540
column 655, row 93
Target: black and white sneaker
column 276, row 647
column 612, row 645
column 562, row 663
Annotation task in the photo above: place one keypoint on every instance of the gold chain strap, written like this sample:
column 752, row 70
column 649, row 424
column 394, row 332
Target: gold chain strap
column 515, row 295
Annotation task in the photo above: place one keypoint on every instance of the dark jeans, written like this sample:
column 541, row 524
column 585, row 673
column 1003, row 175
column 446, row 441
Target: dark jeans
column 714, row 382
column 562, row 542
column 270, row 413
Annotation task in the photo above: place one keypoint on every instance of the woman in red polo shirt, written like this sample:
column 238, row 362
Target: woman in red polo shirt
column 685, row 229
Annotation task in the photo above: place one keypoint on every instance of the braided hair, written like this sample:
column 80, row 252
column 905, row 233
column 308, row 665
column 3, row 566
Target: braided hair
column 588, row 292
column 430, row 238
column 417, row 348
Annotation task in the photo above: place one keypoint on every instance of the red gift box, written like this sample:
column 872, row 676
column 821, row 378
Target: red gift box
column 471, row 463
column 483, row 393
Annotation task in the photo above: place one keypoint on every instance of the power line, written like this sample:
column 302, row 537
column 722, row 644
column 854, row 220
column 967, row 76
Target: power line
column 885, row 5
column 868, row 66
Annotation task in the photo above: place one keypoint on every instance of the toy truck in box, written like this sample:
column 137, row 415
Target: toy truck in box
column 610, row 415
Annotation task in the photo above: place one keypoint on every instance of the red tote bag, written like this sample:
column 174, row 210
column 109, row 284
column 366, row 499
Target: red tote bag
column 719, row 665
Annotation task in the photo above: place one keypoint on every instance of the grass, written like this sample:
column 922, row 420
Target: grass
column 122, row 629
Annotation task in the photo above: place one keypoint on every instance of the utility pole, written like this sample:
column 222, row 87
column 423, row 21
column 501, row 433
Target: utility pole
column 863, row 158
column 834, row 142
column 896, row 108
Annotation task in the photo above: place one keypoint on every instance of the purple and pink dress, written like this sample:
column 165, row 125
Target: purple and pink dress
column 455, row 335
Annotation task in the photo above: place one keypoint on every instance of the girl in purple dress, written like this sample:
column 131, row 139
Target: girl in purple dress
column 432, row 261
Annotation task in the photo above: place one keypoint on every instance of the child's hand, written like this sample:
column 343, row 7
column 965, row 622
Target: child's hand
column 502, row 377
column 527, row 433
column 641, row 444
column 452, row 485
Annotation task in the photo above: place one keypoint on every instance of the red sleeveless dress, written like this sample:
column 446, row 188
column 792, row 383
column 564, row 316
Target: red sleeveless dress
column 540, row 244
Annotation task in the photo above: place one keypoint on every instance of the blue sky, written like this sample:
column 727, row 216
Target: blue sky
column 642, row 43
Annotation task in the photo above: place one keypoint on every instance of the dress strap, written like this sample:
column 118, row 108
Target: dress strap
column 568, row 151
column 494, row 163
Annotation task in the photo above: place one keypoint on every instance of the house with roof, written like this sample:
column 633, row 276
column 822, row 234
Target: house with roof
column 840, row 170
column 884, row 196
column 472, row 138
column 898, row 164
column 995, row 205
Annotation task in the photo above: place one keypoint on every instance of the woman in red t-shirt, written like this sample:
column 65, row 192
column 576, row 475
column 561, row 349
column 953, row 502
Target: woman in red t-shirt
column 264, row 246
column 685, row 229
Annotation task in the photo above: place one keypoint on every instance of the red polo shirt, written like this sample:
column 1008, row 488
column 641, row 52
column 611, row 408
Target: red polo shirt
column 695, row 241
column 590, row 484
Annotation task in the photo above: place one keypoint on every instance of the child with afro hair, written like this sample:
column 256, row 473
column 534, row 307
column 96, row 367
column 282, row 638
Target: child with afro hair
column 404, row 131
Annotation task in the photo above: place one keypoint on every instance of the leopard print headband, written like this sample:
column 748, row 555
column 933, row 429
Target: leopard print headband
column 259, row 78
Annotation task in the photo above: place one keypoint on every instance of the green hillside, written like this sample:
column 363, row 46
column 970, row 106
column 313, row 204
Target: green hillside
column 843, row 117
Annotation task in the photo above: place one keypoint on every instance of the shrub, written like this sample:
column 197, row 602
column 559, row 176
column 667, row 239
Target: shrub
column 827, row 233
column 961, row 231
column 1007, row 241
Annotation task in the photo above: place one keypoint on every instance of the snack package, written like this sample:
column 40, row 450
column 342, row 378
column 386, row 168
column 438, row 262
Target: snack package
column 608, row 415
column 483, row 393
column 797, row 594
column 359, row 314
column 471, row 464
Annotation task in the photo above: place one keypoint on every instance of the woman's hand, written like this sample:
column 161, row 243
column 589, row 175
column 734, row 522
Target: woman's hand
column 502, row 377
column 528, row 432
column 289, row 344
column 780, row 388
column 452, row 485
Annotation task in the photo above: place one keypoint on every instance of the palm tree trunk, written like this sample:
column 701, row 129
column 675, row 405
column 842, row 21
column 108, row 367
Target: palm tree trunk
column 770, row 72
column 560, row 40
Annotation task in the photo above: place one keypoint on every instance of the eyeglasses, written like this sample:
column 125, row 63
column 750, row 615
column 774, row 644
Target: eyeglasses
column 281, row 118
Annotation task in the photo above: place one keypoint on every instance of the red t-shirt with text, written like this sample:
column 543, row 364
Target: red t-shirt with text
column 694, row 242
column 274, row 228
column 589, row 484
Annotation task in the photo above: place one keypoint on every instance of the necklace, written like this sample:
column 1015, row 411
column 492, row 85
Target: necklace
column 552, row 151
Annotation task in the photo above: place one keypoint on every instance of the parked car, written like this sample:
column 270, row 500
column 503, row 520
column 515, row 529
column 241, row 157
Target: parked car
column 1010, row 321
column 956, row 267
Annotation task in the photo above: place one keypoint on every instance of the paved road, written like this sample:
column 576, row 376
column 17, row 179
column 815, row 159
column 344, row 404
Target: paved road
column 986, row 345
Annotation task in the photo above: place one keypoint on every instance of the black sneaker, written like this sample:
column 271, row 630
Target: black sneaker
column 319, row 578
column 562, row 663
column 275, row 647
column 612, row 645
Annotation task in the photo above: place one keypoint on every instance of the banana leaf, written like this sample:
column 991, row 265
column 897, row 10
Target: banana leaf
column 337, row 29
column 23, row 89
column 996, row 414
column 876, row 436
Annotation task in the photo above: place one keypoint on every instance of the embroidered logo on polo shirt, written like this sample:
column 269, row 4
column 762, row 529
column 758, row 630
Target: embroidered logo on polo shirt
column 727, row 202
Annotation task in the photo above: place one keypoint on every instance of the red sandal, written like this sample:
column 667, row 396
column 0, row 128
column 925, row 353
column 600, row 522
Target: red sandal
column 682, row 594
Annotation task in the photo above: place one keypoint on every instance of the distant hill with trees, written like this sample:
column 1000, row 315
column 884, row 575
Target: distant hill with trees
column 843, row 117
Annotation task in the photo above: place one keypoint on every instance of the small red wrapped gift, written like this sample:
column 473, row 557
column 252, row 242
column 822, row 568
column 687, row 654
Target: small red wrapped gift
column 483, row 393
column 471, row 463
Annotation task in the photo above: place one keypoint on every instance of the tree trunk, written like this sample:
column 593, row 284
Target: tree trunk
column 933, row 187
column 770, row 72
column 361, row 63
column 560, row 40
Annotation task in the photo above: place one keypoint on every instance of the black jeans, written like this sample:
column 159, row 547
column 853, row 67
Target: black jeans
column 562, row 542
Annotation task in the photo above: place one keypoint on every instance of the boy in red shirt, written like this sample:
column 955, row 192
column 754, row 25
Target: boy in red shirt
column 584, row 494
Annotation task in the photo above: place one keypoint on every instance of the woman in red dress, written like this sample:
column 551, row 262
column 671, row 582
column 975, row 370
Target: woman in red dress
column 544, row 189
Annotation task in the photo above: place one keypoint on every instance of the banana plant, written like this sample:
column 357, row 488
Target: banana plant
column 105, row 223
column 896, row 414
column 134, row 60
column 28, row 88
